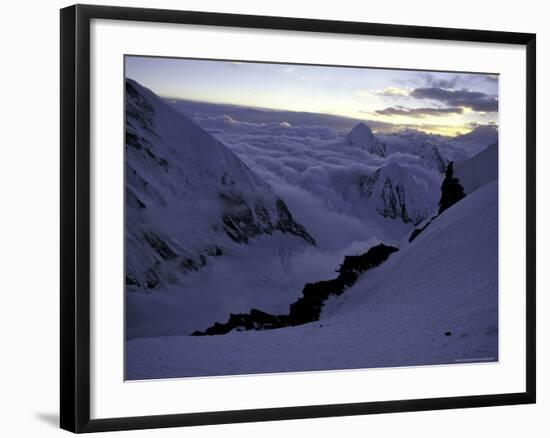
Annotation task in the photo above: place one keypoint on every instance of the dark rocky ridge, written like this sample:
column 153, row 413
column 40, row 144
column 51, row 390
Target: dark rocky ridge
column 308, row 307
column 242, row 223
column 395, row 204
column 451, row 190
column 417, row 231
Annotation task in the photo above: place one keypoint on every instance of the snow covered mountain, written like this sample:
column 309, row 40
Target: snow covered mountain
column 342, row 173
column 429, row 152
column 480, row 137
column 374, row 184
column 400, row 188
column 362, row 136
column 401, row 192
column 420, row 298
column 455, row 149
column 188, row 197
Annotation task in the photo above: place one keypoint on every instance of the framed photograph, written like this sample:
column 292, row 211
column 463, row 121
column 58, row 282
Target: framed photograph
column 268, row 218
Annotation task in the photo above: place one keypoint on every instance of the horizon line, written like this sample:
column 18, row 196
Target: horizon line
column 399, row 127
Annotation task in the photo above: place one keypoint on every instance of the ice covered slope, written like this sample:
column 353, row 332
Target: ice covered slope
column 478, row 170
column 187, row 196
column 433, row 302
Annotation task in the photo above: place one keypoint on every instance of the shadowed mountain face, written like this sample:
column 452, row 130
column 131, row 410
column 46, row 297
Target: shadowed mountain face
column 188, row 196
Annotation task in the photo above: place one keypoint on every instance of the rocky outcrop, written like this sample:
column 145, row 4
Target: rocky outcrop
column 287, row 224
column 308, row 307
column 394, row 204
column 394, row 193
column 451, row 190
column 417, row 231
column 241, row 222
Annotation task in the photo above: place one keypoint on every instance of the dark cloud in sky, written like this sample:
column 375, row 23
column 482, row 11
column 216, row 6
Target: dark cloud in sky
column 442, row 83
column 459, row 81
column 491, row 78
column 475, row 100
column 474, row 125
column 418, row 112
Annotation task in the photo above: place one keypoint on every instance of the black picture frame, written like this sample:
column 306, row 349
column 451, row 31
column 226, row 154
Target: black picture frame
column 75, row 217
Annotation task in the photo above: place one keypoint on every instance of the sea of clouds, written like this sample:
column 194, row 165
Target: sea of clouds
column 316, row 173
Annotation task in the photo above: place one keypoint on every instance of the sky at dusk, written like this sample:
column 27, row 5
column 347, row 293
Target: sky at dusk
column 441, row 103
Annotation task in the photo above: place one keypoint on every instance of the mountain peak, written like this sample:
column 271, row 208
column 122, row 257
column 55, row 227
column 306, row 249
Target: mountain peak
column 483, row 135
column 362, row 136
column 360, row 132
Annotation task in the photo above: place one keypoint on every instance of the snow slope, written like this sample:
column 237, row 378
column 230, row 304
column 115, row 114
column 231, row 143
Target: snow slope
column 433, row 302
column 478, row 170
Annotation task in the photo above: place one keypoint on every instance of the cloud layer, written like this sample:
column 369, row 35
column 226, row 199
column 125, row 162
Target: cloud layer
column 317, row 174
column 474, row 100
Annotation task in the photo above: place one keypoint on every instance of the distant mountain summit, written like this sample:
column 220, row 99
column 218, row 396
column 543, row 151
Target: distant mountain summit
column 362, row 136
column 481, row 136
